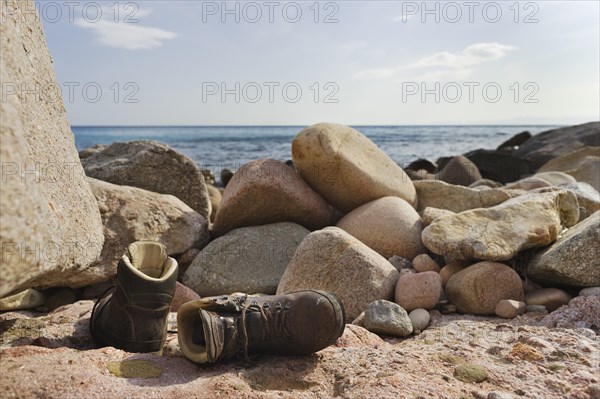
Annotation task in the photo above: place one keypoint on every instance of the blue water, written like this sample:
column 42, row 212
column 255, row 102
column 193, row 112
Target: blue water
column 216, row 147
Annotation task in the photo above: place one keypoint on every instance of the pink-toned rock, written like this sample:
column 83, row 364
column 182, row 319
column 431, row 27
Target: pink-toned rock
column 333, row 260
column 357, row 336
column 418, row 290
column 424, row 263
column 509, row 309
column 182, row 295
column 581, row 312
column 389, row 225
column 478, row 288
column 185, row 260
column 450, row 270
column 268, row 191
column 551, row 298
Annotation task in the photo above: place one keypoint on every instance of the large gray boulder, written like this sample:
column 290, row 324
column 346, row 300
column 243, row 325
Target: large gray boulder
column 572, row 260
column 152, row 166
column 248, row 259
column 49, row 224
column 556, row 142
column 131, row 214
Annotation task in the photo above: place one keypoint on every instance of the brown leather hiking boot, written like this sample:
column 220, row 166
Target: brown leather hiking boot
column 133, row 315
column 218, row 328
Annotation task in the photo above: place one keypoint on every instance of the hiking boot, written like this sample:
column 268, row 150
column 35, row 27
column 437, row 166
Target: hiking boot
column 133, row 314
column 237, row 325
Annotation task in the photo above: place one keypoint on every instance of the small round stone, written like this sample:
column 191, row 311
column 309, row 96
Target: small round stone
column 385, row 317
column 551, row 298
column 469, row 372
column 420, row 319
column 590, row 291
column 424, row 263
column 509, row 309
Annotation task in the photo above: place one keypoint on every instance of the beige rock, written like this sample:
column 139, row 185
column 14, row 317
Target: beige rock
column 551, row 298
column 574, row 259
column 388, row 225
column 500, row 232
column 587, row 197
column 418, row 290
column 333, row 260
column 509, row 309
column 486, row 183
column 478, row 288
column 431, row 214
column 460, row 171
column 527, row 184
column 268, row 191
column 347, row 168
column 49, row 221
column 248, row 259
column 440, row 195
column 215, row 198
column 131, row 214
column 450, row 270
column 424, row 263
column 583, row 164
column 27, row 299
column 555, row 178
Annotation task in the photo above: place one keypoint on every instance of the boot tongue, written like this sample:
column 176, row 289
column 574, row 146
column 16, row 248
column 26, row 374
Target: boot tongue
column 220, row 335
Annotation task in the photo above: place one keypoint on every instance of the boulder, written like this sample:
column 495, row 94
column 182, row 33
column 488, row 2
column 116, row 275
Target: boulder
column 515, row 141
column 555, row 178
column 572, row 260
column 556, row 142
column 528, row 184
column 49, row 221
column 347, row 168
column 385, row 317
column 432, row 214
column 27, row 299
column 590, row 291
column 587, row 197
column 501, row 232
column 131, row 214
column 268, row 191
column 479, row 288
column 550, row 298
column 388, row 225
column 485, row 183
column 226, row 176
column 152, row 166
column 499, row 165
column 583, row 164
column 422, row 164
column 333, row 260
column 440, row 195
column 182, row 295
column 215, row 198
column 460, row 171
column 248, row 259
column 450, row 270
column 418, row 290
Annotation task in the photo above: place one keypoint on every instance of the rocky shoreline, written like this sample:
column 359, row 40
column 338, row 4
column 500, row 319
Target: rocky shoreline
column 473, row 276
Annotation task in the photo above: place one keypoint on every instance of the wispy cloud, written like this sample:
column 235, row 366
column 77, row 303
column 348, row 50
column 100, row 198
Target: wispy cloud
column 127, row 33
column 456, row 64
column 471, row 55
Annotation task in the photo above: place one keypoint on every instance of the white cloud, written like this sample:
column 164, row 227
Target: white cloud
column 457, row 65
column 125, row 30
column 471, row 55
column 374, row 73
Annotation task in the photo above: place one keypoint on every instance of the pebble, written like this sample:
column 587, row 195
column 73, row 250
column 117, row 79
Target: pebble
column 418, row 290
column 385, row 317
column 536, row 309
column 400, row 263
column 590, row 291
column 550, row 298
column 420, row 319
column 509, row 309
column 424, row 263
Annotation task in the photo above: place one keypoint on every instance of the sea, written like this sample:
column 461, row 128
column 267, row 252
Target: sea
column 218, row 147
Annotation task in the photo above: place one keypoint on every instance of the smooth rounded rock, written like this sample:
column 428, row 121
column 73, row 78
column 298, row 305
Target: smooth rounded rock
column 478, row 288
column 269, row 191
column 347, row 168
column 248, row 259
column 587, row 197
column 449, row 270
column 418, row 290
column 333, row 260
column 460, row 171
column 555, row 178
column 389, row 225
column 385, row 317
column 509, row 309
column 424, row 263
column 590, row 291
column 420, row 319
column 583, row 164
column 550, row 298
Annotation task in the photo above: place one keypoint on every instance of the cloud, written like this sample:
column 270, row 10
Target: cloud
column 470, row 56
column 456, row 65
column 126, row 32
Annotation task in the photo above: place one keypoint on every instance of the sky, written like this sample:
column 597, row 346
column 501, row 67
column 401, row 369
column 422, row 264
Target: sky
column 352, row 62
